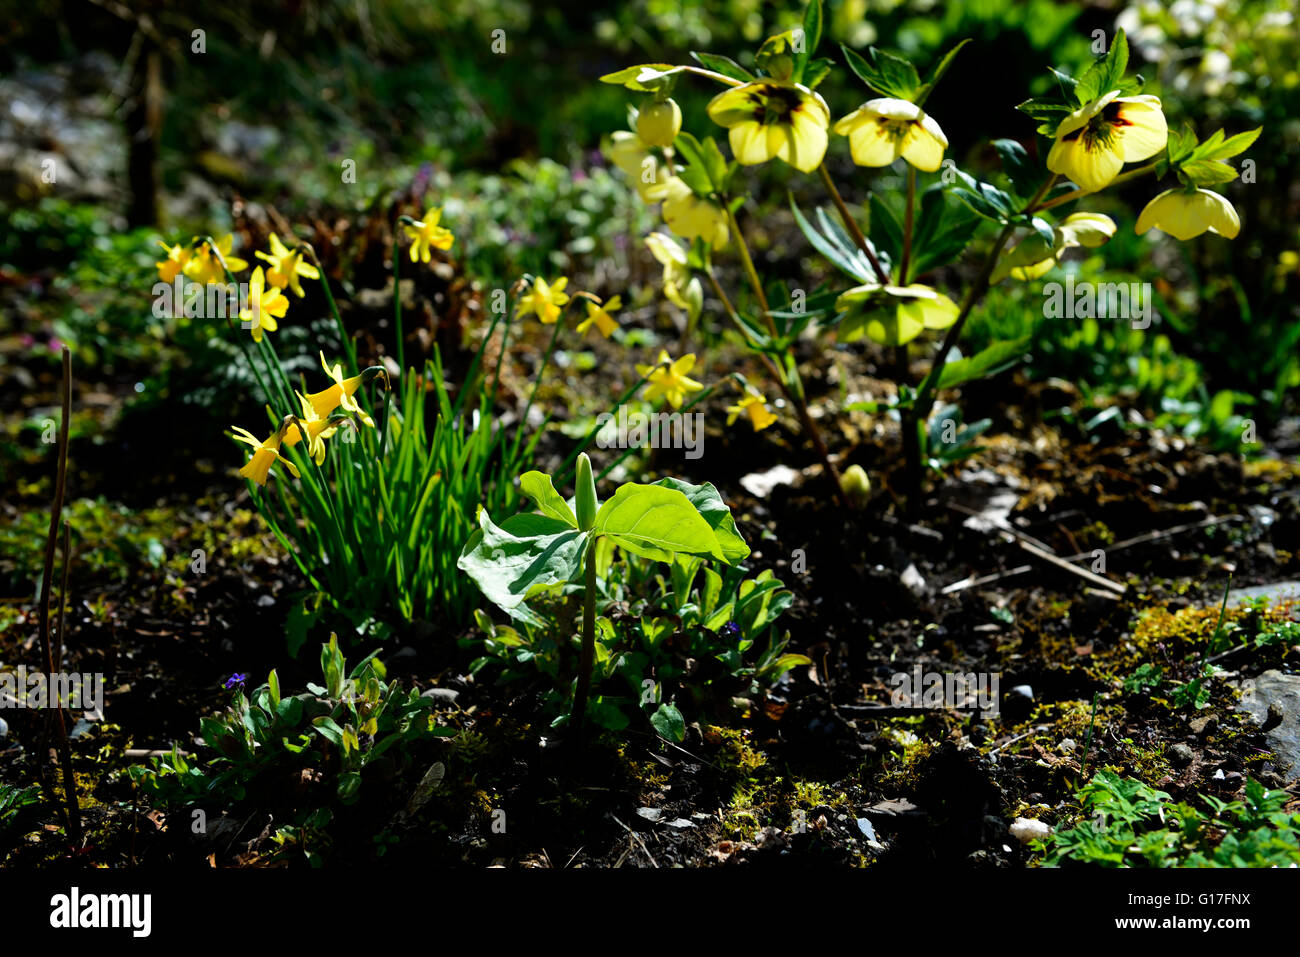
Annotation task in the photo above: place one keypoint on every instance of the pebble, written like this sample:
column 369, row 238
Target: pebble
column 4, row 728
column 441, row 695
column 1180, row 755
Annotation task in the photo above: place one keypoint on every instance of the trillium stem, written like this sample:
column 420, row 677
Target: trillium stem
column 852, row 226
column 71, row 805
column 588, row 654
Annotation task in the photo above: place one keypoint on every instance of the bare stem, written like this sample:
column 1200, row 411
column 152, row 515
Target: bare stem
column 851, row 225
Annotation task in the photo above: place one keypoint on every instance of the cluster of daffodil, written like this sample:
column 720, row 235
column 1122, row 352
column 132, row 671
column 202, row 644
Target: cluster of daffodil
column 316, row 417
column 774, row 113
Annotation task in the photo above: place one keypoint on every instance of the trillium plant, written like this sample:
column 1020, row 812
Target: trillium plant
column 1099, row 132
column 565, row 543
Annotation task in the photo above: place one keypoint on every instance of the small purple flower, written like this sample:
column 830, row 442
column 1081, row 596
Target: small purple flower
column 235, row 679
column 730, row 630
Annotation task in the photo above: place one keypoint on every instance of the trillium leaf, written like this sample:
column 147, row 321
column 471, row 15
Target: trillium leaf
column 668, row 721
column 656, row 522
column 708, row 502
column 525, row 554
column 539, row 487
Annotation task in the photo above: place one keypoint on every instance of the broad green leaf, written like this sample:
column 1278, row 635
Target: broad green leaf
column 944, row 228
column 885, row 73
column 539, row 487
column 524, row 554
column 708, row 502
column 273, row 687
column 668, row 721
column 656, row 522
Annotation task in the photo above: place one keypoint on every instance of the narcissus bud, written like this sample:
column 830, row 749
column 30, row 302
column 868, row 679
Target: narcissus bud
column 855, row 483
column 659, row 123
column 584, row 494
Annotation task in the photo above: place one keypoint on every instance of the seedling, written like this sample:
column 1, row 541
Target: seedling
column 536, row 552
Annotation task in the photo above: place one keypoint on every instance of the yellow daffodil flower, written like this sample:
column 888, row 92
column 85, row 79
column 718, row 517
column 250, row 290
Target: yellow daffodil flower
column 1096, row 140
column 544, row 300
column 427, row 235
column 916, row 308
column 659, row 123
column 882, row 130
column 600, row 315
column 755, row 406
column 177, row 257
column 339, row 394
column 689, row 215
column 1184, row 213
column 1032, row 257
column 317, row 427
column 265, row 305
column 286, row 266
column 205, row 266
column 647, row 172
column 265, row 454
column 669, row 379
column 770, row 118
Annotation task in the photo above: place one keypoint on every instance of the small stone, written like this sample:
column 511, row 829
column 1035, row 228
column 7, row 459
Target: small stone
column 4, row 728
column 649, row 813
column 867, row 830
column 1023, row 691
column 1025, row 829
column 1068, row 746
column 679, row 824
column 913, row 580
column 441, row 695
column 1180, row 755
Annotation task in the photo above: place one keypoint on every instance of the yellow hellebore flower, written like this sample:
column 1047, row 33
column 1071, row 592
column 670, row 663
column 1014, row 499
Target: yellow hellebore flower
column 600, row 315
column 755, row 406
column 632, row 155
column 689, row 215
column 677, row 275
column 659, row 123
column 670, row 382
column 770, row 118
column 265, row 454
column 204, row 266
column 265, row 305
column 339, row 394
column 544, row 300
column 286, row 266
column 318, row 430
column 916, row 308
column 427, row 235
column 1184, row 213
column 177, row 257
column 1096, row 140
column 1032, row 257
column 882, row 130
